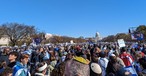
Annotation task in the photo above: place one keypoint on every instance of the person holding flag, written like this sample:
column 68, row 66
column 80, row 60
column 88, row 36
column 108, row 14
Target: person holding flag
column 21, row 68
column 128, row 61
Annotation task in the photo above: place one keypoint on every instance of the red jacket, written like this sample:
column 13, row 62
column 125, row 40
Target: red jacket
column 127, row 59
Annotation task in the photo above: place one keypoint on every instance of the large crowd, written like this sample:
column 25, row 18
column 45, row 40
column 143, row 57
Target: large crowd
column 84, row 59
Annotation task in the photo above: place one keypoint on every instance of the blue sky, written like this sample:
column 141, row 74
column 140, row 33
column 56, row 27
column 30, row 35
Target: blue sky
column 75, row 17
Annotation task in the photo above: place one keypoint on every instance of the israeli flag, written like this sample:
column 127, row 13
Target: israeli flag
column 47, row 56
column 132, row 70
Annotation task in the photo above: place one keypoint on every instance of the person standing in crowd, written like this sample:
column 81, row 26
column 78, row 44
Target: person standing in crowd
column 63, row 56
column 119, row 60
column 127, row 58
column 103, row 61
column 12, row 59
column 111, row 51
column 46, row 53
column 41, row 69
column 21, row 69
column 137, row 65
column 59, row 70
column 128, row 61
column 4, row 55
column 3, row 65
column 88, row 55
column 114, row 68
column 69, row 56
column 37, row 55
column 53, row 62
column 95, row 69
column 142, row 61
column 41, row 54
column 78, row 66
column 96, row 50
column 49, row 68
column 7, row 72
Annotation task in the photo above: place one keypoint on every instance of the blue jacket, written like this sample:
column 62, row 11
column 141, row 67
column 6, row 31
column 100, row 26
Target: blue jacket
column 20, row 70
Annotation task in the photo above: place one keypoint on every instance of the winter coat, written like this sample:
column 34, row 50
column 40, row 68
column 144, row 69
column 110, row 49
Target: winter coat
column 77, row 66
column 127, row 59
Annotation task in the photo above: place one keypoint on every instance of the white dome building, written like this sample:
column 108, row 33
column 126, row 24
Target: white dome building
column 97, row 37
column 48, row 35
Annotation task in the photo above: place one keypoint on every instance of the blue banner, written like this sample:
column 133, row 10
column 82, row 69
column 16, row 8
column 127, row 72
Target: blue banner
column 137, row 36
column 37, row 40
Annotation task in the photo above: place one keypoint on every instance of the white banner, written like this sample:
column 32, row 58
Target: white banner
column 121, row 43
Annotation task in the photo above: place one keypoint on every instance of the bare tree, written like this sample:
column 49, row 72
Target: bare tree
column 16, row 32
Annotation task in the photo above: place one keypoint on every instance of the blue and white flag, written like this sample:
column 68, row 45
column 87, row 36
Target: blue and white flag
column 47, row 56
column 132, row 70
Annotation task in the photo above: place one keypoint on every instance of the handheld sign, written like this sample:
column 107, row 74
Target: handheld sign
column 121, row 43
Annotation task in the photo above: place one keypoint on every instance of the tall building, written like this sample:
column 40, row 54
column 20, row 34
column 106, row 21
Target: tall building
column 97, row 37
